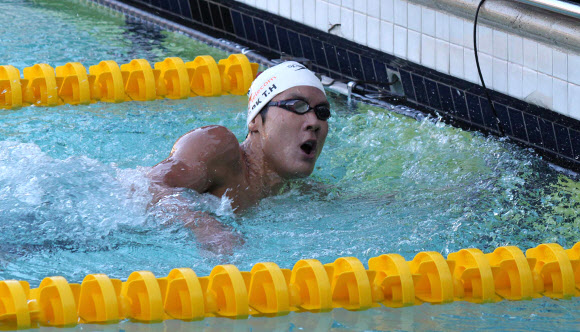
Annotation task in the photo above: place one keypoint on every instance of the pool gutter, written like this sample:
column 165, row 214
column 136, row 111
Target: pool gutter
column 149, row 18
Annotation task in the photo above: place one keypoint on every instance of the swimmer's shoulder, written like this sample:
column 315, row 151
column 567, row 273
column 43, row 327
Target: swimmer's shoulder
column 207, row 139
column 214, row 145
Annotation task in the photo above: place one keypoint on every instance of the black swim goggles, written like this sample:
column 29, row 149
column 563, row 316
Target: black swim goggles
column 299, row 106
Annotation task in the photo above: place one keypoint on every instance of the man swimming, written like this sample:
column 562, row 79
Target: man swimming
column 283, row 143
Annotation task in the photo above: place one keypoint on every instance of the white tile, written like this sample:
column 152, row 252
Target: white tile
column 387, row 11
column 349, row 4
column 529, row 82
column 333, row 15
column 428, row 21
column 560, row 96
column 544, row 59
column 285, row 8
column 400, row 48
column 500, row 42
column 484, row 39
column 543, row 95
column 442, row 56
column 560, row 64
column 515, row 80
column 400, row 12
column 515, row 49
column 456, row 60
column 322, row 15
column 274, row 6
column 262, row 4
column 414, row 46
column 442, row 26
column 414, row 17
column 500, row 75
column 297, row 11
column 469, row 67
column 574, row 68
column 360, row 6
column 486, row 64
column 468, row 34
column 386, row 37
column 456, row 30
column 428, row 51
column 530, row 54
column 346, row 23
column 360, row 28
column 373, row 33
column 310, row 12
column 574, row 101
column 334, row 27
column 374, row 8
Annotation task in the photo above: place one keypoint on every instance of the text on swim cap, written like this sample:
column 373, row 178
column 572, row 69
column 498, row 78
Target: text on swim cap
column 266, row 93
column 261, row 88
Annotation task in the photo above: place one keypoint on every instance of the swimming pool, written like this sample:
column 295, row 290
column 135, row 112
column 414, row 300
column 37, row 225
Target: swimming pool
column 74, row 196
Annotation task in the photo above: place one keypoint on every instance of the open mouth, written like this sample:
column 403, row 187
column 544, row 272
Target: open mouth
column 309, row 147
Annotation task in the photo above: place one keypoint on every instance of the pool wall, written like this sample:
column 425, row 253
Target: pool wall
column 529, row 57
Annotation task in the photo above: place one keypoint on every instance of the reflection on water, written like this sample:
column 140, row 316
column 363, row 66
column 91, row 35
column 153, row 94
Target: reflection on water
column 543, row 314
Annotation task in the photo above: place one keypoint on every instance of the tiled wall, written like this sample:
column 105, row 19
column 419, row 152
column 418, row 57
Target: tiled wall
column 430, row 51
column 519, row 67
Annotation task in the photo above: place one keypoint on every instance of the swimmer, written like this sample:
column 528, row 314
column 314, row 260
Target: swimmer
column 287, row 127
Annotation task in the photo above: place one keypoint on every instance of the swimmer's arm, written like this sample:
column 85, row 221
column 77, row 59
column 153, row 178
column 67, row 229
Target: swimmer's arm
column 199, row 160
column 210, row 232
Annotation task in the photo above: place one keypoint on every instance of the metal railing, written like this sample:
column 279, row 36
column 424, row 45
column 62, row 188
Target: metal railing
column 558, row 6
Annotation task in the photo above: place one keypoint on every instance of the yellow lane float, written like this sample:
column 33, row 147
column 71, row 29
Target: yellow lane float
column 267, row 290
column 108, row 82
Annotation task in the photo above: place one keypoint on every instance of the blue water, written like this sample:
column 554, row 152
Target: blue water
column 74, row 197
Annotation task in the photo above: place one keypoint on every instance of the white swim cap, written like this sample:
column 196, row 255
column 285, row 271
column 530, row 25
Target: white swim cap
column 276, row 80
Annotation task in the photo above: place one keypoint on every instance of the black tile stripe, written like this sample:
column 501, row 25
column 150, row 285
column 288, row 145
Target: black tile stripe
column 307, row 49
column 563, row 140
column 249, row 27
column 420, row 90
column 238, row 24
column 272, row 37
column 575, row 140
column 368, row 68
column 460, row 104
column 216, row 16
column 295, row 44
column 518, row 126
column 227, row 19
column 205, row 13
column 432, row 94
column 533, row 129
column 260, row 29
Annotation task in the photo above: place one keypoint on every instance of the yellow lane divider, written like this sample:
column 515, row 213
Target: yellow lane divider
column 171, row 78
column 267, row 290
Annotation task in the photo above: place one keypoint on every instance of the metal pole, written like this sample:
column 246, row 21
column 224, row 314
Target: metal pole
column 558, row 6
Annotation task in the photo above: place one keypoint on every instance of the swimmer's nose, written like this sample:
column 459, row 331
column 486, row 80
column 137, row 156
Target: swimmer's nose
column 311, row 121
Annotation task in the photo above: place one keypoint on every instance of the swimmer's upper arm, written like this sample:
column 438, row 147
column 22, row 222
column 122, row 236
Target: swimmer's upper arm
column 199, row 159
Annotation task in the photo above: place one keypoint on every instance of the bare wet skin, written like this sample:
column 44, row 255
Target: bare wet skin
column 282, row 146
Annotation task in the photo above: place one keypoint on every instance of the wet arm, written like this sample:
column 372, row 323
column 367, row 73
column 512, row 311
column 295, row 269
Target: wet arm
column 187, row 167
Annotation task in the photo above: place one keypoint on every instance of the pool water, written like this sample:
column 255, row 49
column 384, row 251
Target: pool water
column 74, row 198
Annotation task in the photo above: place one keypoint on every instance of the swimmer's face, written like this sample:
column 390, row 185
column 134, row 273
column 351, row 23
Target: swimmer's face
column 292, row 142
